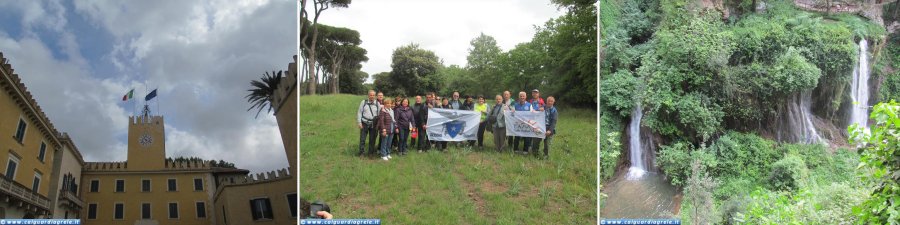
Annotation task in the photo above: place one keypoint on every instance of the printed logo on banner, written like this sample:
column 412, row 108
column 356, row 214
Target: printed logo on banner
column 527, row 126
column 454, row 127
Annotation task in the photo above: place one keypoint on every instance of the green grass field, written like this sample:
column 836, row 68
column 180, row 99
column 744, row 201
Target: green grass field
column 460, row 186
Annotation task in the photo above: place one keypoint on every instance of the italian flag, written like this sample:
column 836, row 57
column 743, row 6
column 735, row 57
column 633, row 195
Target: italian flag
column 128, row 95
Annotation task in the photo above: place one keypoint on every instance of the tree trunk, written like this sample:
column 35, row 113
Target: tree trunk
column 337, row 57
column 335, row 87
column 313, row 72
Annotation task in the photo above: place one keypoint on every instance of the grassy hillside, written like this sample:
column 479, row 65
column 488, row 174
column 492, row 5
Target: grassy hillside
column 460, row 186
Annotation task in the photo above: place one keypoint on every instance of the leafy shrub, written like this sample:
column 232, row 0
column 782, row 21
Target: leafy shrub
column 733, row 207
column 879, row 155
column 827, row 204
column 675, row 161
column 742, row 155
column 610, row 146
column 734, row 186
column 699, row 192
column 618, row 91
column 789, row 173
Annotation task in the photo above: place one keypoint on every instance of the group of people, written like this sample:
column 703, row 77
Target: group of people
column 394, row 121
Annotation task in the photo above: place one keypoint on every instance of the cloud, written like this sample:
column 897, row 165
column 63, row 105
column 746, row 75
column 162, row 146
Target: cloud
column 445, row 27
column 201, row 55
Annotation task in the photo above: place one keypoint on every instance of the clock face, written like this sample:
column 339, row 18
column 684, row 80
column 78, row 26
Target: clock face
column 146, row 140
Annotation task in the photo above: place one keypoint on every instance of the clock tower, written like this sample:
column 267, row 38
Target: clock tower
column 146, row 142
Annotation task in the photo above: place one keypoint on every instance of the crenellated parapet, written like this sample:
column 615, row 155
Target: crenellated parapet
column 145, row 120
column 269, row 176
column 170, row 165
column 11, row 83
column 187, row 165
column 105, row 166
column 287, row 85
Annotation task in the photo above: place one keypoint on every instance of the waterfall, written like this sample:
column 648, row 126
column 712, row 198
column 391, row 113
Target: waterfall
column 799, row 120
column 860, row 87
column 637, row 169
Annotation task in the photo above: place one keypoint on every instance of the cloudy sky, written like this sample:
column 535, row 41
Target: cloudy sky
column 445, row 27
column 78, row 58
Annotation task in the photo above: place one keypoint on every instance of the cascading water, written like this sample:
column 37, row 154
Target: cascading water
column 637, row 169
column 640, row 193
column 860, row 87
column 799, row 120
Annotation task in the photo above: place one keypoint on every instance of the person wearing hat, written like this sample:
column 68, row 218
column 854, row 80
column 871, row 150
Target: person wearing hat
column 536, row 101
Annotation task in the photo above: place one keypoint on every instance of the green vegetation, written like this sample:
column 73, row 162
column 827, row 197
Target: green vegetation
column 714, row 88
column 460, row 186
column 880, row 155
column 560, row 60
column 808, row 183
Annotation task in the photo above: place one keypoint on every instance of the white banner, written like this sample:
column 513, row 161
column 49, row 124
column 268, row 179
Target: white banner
column 452, row 125
column 525, row 124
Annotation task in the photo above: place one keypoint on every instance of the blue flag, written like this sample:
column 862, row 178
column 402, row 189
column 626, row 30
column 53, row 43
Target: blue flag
column 151, row 95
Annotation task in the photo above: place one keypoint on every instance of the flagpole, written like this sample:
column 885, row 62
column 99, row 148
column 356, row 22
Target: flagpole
column 145, row 91
column 157, row 101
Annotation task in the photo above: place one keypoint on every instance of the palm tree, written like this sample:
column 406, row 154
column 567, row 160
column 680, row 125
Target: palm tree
column 263, row 91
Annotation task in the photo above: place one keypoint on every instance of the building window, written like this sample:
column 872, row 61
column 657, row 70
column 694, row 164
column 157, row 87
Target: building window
column 11, row 167
column 261, row 209
column 201, row 210
column 198, row 184
column 36, row 184
column 145, row 185
column 172, row 185
column 145, row 211
column 173, row 210
column 95, row 185
column 20, row 131
column 42, row 152
column 119, row 211
column 92, row 211
column 120, row 185
column 292, row 204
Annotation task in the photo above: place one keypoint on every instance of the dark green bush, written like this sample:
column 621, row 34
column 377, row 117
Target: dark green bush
column 618, row 91
column 788, row 174
column 675, row 161
column 610, row 147
column 742, row 155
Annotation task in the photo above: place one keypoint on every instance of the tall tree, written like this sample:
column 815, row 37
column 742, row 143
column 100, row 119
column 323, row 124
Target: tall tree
column 338, row 50
column 413, row 70
column 574, row 48
column 351, row 81
column 458, row 79
column 309, row 31
column 382, row 82
column 482, row 63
